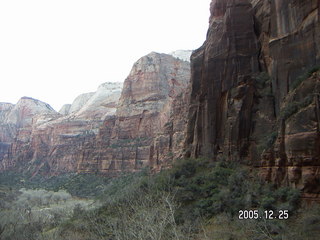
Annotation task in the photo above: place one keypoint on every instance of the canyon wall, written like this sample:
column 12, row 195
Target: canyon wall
column 253, row 97
column 129, row 141
column 220, row 120
column 245, row 103
column 37, row 139
column 109, row 131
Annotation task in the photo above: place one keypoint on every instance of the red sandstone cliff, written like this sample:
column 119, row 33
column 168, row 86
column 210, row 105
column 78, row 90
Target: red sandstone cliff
column 129, row 141
column 243, row 104
column 44, row 141
column 100, row 133
column 236, row 111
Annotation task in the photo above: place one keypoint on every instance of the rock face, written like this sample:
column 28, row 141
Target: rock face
column 6, row 135
column 242, row 87
column 220, row 119
column 290, row 47
column 23, row 112
column 22, row 115
column 125, row 142
column 294, row 159
column 102, row 103
column 182, row 54
column 44, row 141
column 7, row 131
column 289, row 34
column 168, row 144
column 65, row 109
column 108, row 131
column 80, row 101
column 15, row 119
column 246, row 101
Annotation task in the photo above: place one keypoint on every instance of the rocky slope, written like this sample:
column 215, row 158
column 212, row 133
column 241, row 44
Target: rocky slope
column 242, row 81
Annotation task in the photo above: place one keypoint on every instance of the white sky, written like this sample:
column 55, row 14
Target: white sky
column 54, row 50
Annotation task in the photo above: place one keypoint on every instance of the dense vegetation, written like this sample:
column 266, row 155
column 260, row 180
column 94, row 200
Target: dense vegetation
column 196, row 199
column 80, row 185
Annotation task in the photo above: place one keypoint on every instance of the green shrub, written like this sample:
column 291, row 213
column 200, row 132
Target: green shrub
column 268, row 202
column 313, row 70
column 192, row 191
column 306, row 101
column 296, row 83
column 267, row 141
column 263, row 84
column 290, row 109
column 293, row 107
column 262, row 80
column 223, row 187
column 272, row 138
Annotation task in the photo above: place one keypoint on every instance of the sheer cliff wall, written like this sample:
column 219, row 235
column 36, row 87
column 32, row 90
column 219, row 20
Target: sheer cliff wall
column 243, row 85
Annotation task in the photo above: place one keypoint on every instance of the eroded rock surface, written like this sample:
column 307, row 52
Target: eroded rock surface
column 243, row 79
column 102, row 103
column 65, row 109
column 23, row 112
column 182, row 54
column 294, row 159
column 125, row 142
column 44, row 141
column 222, row 91
column 110, row 130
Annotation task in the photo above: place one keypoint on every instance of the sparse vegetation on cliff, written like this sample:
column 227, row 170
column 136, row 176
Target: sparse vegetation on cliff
column 304, row 76
column 267, row 141
column 293, row 107
column 263, row 83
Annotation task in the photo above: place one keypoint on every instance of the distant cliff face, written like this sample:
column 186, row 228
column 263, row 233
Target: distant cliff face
column 107, row 131
column 125, row 141
column 37, row 139
column 18, row 119
column 147, row 104
column 22, row 113
column 95, row 104
column 136, row 136
column 78, row 103
column 242, row 88
column 182, row 54
column 6, row 131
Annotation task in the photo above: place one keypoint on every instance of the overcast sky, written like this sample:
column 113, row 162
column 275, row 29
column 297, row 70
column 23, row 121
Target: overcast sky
column 54, row 50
